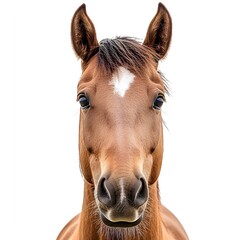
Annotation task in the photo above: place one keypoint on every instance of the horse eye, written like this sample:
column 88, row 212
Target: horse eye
column 158, row 102
column 84, row 102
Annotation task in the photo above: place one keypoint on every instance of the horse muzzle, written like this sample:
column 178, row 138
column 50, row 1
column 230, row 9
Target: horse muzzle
column 122, row 202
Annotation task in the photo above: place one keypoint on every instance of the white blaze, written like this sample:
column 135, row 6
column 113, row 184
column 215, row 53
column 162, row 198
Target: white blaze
column 121, row 81
column 122, row 194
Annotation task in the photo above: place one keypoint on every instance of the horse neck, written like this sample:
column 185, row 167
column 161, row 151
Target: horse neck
column 88, row 228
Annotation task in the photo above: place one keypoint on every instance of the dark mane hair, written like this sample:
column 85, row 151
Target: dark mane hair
column 124, row 52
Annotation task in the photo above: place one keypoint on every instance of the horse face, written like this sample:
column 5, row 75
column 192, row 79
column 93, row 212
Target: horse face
column 120, row 134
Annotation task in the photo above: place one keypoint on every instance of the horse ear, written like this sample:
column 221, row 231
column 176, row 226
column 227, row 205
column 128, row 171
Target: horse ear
column 84, row 38
column 159, row 31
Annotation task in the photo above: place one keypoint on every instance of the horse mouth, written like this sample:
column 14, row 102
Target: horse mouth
column 120, row 224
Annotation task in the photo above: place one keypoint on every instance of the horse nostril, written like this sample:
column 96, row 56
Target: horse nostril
column 104, row 192
column 141, row 194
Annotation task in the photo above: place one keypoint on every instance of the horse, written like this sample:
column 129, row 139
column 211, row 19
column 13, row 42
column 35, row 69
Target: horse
column 121, row 93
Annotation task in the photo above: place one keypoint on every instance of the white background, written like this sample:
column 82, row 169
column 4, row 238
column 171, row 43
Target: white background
column 41, row 185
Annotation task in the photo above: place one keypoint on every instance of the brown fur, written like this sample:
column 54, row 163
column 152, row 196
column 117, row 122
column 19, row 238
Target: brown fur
column 121, row 138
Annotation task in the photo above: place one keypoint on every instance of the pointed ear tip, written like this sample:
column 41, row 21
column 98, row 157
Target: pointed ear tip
column 161, row 5
column 82, row 7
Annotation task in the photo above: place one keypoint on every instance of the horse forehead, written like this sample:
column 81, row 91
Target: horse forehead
column 121, row 81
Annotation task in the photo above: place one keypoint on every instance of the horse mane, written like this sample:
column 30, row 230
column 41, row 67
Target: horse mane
column 124, row 52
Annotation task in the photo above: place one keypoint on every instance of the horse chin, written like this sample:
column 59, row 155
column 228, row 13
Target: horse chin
column 120, row 224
